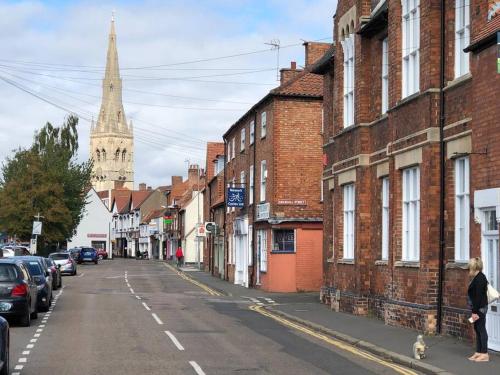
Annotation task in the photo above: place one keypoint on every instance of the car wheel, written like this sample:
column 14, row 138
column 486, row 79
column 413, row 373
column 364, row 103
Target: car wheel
column 25, row 320
column 34, row 314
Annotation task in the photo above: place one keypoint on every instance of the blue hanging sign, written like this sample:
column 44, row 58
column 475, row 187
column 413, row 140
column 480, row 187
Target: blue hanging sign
column 235, row 197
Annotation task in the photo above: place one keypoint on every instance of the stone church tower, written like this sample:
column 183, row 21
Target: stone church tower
column 111, row 139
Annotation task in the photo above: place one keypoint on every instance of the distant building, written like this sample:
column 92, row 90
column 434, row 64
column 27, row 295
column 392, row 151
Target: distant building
column 94, row 229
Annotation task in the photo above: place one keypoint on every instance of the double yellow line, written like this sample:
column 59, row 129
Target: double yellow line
column 207, row 289
column 339, row 344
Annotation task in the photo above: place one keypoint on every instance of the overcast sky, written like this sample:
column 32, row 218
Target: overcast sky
column 56, row 50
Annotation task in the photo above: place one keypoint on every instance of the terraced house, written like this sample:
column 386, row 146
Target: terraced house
column 274, row 151
column 410, row 130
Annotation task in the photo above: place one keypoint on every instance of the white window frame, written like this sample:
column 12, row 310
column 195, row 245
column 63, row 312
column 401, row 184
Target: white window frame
column 242, row 179
column 233, row 185
column 349, row 220
column 349, row 83
column 263, row 124
column 251, row 184
column 322, row 120
column 462, row 37
column 263, row 180
column 321, row 190
column 462, row 209
column 262, row 238
column 411, row 214
column 228, row 159
column 385, row 75
column 242, row 139
column 233, row 147
column 385, row 219
column 250, row 245
column 410, row 47
column 252, row 132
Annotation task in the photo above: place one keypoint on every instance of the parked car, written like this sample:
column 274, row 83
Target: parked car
column 18, row 291
column 56, row 273
column 4, row 346
column 102, row 254
column 88, row 254
column 43, row 280
column 76, row 254
column 16, row 250
column 66, row 263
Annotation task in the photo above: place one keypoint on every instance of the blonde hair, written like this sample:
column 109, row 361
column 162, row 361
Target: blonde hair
column 475, row 265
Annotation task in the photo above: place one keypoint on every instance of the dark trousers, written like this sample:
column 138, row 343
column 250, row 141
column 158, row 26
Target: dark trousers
column 481, row 334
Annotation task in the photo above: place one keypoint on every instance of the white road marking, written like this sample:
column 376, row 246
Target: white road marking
column 174, row 340
column 33, row 340
column 18, row 367
column 15, row 373
column 26, row 352
column 36, row 335
column 269, row 300
column 81, row 275
column 30, row 346
column 128, row 285
column 132, row 291
column 158, row 320
column 196, row 367
column 146, row 306
column 39, row 330
column 23, row 360
column 137, row 297
column 41, row 325
column 254, row 300
column 260, row 303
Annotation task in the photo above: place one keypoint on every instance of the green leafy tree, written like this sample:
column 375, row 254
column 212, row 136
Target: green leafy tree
column 45, row 178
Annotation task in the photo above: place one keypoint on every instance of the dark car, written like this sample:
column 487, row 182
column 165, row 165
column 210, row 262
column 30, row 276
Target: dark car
column 18, row 291
column 43, row 279
column 76, row 253
column 88, row 254
column 56, row 273
column 65, row 262
column 4, row 346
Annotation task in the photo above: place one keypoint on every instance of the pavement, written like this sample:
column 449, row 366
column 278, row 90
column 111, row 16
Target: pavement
column 444, row 355
column 127, row 316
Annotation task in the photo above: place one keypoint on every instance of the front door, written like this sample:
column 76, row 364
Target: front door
column 241, row 253
column 491, row 259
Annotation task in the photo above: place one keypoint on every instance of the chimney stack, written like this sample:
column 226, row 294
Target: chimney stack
column 314, row 51
column 287, row 74
column 142, row 186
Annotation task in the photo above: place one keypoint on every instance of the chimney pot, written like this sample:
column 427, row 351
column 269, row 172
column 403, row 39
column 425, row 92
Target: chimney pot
column 293, row 65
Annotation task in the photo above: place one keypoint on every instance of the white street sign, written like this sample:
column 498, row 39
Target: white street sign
column 37, row 227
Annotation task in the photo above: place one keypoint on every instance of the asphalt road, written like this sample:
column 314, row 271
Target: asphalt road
column 140, row 317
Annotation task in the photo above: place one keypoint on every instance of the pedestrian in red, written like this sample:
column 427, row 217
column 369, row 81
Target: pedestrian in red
column 180, row 256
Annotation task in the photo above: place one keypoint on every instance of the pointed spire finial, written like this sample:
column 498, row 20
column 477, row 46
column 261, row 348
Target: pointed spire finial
column 113, row 15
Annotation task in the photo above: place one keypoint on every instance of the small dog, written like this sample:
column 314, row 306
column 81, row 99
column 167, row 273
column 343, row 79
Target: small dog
column 419, row 348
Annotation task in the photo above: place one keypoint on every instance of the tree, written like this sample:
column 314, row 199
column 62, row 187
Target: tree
column 45, row 178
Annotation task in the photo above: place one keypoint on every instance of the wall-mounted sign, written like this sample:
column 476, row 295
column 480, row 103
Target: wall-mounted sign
column 292, row 202
column 235, row 197
column 37, row 228
column 493, row 9
column 96, row 235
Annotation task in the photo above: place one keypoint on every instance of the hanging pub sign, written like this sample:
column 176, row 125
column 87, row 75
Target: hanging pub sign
column 167, row 218
column 235, row 197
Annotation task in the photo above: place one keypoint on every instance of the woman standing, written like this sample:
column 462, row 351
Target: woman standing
column 180, row 256
column 478, row 300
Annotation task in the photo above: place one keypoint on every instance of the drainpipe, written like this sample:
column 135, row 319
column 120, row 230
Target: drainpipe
column 255, row 256
column 442, row 162
column 226, row 268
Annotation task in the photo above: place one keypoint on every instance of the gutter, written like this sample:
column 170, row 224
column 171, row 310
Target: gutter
column 442, row 172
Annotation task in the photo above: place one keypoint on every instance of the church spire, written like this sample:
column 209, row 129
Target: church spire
column 112, row 116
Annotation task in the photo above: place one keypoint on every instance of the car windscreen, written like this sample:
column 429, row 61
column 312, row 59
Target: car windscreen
column 7, row 272
column 59, row 256
column 35, row 268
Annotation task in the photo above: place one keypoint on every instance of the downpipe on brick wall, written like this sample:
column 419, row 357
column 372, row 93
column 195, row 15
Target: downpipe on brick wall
column 226, row 268
column 442, row 162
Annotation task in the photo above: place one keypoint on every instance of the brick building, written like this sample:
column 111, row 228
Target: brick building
column 214, row 209
column 408, row 120
column 274, row 150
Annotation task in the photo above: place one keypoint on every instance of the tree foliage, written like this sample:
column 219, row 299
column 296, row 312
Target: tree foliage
column 45, row 178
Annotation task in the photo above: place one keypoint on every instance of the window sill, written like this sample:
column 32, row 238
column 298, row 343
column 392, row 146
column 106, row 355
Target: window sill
column 453, row 264
column 407, row 264
column 458, row 81
column 345, row 261
column 283, row 252
column 381, row 262
column 330, row 260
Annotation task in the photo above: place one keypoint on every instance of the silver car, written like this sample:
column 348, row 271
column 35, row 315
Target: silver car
column 65, row 261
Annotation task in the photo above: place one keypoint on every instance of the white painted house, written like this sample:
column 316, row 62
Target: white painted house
column 190, row 214
column 95, row 227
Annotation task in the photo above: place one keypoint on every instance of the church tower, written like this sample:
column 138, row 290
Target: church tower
column 111, row 139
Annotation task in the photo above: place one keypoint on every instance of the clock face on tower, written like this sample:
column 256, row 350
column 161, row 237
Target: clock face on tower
column 122, row 172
